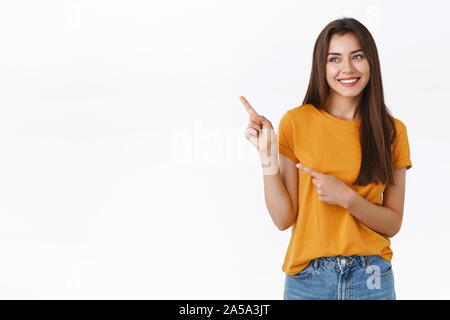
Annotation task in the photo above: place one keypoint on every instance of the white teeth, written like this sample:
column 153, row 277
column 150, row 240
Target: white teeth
column 348, row 81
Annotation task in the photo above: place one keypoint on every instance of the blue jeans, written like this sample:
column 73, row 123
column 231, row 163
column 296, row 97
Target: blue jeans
column 342, row 278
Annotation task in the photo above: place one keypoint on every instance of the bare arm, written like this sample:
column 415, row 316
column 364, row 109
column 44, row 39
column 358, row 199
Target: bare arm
column 280, row 173
column 281, row 193
column 385, row 219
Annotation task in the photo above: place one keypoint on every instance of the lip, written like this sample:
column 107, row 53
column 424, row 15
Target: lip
column 349, row 84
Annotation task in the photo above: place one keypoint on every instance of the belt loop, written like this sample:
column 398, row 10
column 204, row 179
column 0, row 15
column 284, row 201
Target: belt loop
column 363, row 261
column 316, row 263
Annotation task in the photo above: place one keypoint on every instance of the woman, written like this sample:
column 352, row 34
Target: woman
column 336, row 172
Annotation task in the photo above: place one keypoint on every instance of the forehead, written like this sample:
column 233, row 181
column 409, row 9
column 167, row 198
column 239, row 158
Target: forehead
column 344, row 43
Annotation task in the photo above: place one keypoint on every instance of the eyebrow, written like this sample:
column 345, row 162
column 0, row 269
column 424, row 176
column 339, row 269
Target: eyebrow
column 338, row 54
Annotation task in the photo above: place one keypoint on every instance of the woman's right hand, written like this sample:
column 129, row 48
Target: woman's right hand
column 261, row 134
column 255, row 134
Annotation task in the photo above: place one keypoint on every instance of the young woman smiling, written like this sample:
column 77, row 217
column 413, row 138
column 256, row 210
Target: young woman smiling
column 335, row 171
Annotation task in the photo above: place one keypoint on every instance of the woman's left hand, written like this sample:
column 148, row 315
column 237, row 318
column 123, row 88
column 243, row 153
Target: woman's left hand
column 329, row 188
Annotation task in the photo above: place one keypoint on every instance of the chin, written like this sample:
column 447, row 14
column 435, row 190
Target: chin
column 348, row 93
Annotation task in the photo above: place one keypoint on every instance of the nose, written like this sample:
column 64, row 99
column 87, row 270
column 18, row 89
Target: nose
column 347, row 66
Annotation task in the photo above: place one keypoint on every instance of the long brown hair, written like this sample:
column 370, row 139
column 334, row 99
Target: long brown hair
column 377, row 129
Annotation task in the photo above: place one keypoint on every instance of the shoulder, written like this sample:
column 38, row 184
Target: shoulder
column 303, row 111
column 400, row 126
column 400, row 142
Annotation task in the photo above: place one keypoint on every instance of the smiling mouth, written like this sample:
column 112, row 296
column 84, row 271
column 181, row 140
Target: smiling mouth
column 349, row 81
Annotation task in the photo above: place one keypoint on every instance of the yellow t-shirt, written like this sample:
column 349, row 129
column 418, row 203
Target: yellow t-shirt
column 331, row 146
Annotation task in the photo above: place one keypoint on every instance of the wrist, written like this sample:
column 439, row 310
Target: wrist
column 350, row 198
column 269, row 163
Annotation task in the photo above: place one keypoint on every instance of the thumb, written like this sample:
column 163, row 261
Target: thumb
column 264, row 122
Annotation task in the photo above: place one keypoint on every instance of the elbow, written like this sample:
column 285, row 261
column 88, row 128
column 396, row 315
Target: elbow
column 282, row 228
column 287, row 220
column 285, row 226
column 397, row 226
column 391, row 235
column 394, row 232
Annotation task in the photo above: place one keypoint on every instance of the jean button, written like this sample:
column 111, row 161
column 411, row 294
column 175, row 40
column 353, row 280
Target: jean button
column 343, row 261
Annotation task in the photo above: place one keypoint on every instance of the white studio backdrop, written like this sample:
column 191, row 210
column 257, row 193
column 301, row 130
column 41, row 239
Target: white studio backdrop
column 124, row 170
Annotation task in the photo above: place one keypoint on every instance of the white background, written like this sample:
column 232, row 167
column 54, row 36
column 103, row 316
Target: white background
column 124, row 170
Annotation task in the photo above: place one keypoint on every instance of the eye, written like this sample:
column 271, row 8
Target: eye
column 331, row 60
column 359, row 55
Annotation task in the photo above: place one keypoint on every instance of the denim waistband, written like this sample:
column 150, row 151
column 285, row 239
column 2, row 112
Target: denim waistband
column 347, row 260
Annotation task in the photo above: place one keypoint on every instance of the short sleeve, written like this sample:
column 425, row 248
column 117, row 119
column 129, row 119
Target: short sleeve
column 285, row 136
column 401, row 151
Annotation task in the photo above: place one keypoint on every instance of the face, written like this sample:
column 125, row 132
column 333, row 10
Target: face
column 346, row 62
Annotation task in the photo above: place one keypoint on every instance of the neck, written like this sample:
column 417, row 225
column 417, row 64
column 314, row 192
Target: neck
column 345, row 108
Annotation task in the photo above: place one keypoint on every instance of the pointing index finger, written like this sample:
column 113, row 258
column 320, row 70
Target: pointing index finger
column 247, row 105
column 309, row 171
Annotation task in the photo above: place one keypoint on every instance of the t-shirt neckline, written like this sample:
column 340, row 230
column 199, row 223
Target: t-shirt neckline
column 340, row 122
